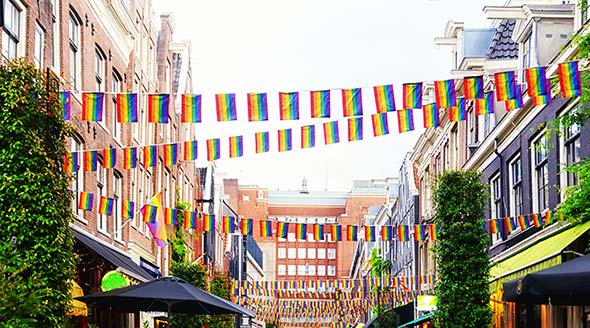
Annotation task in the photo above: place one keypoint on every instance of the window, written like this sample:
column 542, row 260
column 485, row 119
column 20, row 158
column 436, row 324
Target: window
column 321, row 270
column 301, row 252
column 55, row 33
column 39, row 43
column 11, row 33
column 311, row 253
column 526, row 53
column 282, row 253
column 572, row 152
column 302, row 270
column 447, row 155
column 167, row 189
column 311, row 270
column 260, row 194
column 516, row 187
column 291, row 253
column 134, row 188
column 540, row 151
column 455, row 148
column 117, row 192
column 282, row 270
column 291, row 269
column 291, row 236
column 78, row 178
column 140, row 198
column 331, row 253
column 310, row 236
column 496, row 202
column 472, row 125
column 331, row 270
column 117, row 88
column 321, row 253
column 99, row 69
column 75, row 60
column 101, row 185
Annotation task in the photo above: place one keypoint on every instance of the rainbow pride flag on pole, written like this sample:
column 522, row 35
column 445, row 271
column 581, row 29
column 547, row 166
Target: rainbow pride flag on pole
column 431, row 119
column 190, row 108
column 405, row 120
column 307, row 136
column 262, row 142
column 355, row 128
column 331, row 133
column 380, row 125
column 130, row 158
column 92, row 106
column 109, row 158
column 158, row 106
column 473, row 87
column 127, row 107
column 86, row 201
column 127, row 209
column 352, row 102
column 157, row 227
column 90, row 160
column 289, row 105
column 213, row 149
column 444, row 91
column 505, row 85
column 285, row 140
column 257, row 107
column 190, row 150
column 71, row 162
column 236, row 146
column 226, row 107
column 459, row 112
column 570, row 81
column 64, row 97
column 384, row 99
column 320, row 104
column 412, row 93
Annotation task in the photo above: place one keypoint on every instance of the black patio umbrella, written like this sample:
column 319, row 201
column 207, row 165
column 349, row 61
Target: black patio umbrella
column 168, row 294
column 564, row 284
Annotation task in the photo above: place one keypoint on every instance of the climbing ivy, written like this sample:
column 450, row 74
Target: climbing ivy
column 463, row 266
column 35, row 210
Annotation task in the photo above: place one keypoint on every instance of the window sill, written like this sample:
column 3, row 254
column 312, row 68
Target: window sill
column 81, row 219
column 119, row 241
column 104, row 233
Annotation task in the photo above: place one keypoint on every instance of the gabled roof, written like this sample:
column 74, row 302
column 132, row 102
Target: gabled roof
column 502, row 45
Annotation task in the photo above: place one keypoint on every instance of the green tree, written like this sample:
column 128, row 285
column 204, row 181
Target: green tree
column 381, row 268
column 463, row 265
column 221, row 286
column 34, row 199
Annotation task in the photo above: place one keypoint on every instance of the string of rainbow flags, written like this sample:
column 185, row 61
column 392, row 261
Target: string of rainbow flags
column 280, row 229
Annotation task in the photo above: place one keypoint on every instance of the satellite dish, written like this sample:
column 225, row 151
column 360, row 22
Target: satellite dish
column 113, row 280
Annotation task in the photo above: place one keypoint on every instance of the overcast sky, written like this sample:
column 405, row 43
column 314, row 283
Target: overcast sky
column 242, row 46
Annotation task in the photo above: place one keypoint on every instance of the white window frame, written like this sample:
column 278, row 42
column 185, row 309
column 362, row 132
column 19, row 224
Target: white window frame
column 291, row 236
column 570, row 137
column 39, row 46
column 311, row 253
column 77, row 145
column 331, row 270
column 100, row 60
column 536, row 165
column 331, row 253
column 291, row 253
column 75, row 51
column 291, row 270
column 282, row 253
column 495, row 203
column 116, row 87
column 516, row 189
column 16, row 34
column 55, row 28
column 117, row 196
column 321, row 253
column 321, row 270
column 282, row 270
column 101, row 183
column 301, row 253
column 302, row 270
column 311, row 270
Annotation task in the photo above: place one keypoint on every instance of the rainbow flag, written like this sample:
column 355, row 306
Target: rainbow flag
column 352, row 102
column 190, row 106
column 105, row 205
column 509, row 224
column 549, row 217
column 289, row 105
column 386, row 233
column 380, row 125
column 494, row 226
column 227, row 224
column 458, row 113
column 336, row 232
column 262, row 142
column 130, row 157
column 170, row 216
column 71, row 163
column 92, row 106
column 265, row 228
column 419, row 232
column 236, row 146
column 150, row 156
column 90, row 160
column 170, row 154
column 127, row 209
column 384, row 100
column 246, row 226
column 331, row 134
column 352, row 233
column 190, row 150
column 517, row 102
column 158, row 106
column 208, row 222
column 412, row 93
column 505, row 85
column 355, row 128
column 64, row 97
column 523, row 222
column 189, row 220
column 282, row 229
column 403, row 233
column 536, row 80
column 285, row 143
column 486, row 105
column 570, row 81
column 431, row 119
column 541, row 100
column 433, row 231
column 149, row 213
column 127, row 107
column 307, row 136
column 109, row 158
column 213, row 149
column 318, row 232
column 301, row 231
column 86, row 201
column 226, row 107
column 405, row 120
column 473, row 87
column 537, row 220
column 444, row 92
column 320, row 104
column 157, row 226
column 370, row 233
column 257, row 107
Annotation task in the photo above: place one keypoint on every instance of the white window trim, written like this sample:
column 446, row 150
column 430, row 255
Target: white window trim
column 535, row 187
column 22, row 29
column 512, row 198
column 562, row 152
column 496, row 237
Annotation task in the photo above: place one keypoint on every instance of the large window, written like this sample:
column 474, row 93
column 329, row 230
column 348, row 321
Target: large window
column 117, row 192
column 99, row 69
column 117, row 88
column 39, row 44
column 101, row 185
column 282, row 253
column 291, row 269
column 301, row 253
column 540, row 153
column 55, row 36
column 321, row 270
column 331, row 270
column 311, row 270
column 11, row 33
column 78, row 178
column 311, row 253
column 301, row 270
column 331, row 253
column 495, row 202
column 291, row 253
column 515, row 167
column 282, row 270
column 321, row 253
column 75, row 60
column 571, row 151
column 472, row 125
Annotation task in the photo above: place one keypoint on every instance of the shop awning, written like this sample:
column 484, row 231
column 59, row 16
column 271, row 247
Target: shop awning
column 541, row 255
column 77, row 308
column 417, row 321
column 116, row 258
